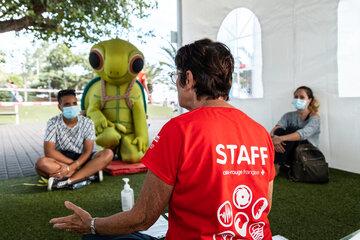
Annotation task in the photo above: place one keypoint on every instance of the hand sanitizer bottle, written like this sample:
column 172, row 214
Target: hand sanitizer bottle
column 127, row 196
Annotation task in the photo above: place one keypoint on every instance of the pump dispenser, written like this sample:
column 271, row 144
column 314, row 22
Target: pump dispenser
column 127, row 196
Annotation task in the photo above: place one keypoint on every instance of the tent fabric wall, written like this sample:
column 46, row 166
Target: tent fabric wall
column 299, row 43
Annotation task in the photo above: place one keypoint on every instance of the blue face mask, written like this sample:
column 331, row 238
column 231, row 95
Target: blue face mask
column 299, row 104
column 71, row 112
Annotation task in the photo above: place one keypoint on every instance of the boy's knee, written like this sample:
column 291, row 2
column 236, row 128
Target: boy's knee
column 107, row 155
column 40, row 163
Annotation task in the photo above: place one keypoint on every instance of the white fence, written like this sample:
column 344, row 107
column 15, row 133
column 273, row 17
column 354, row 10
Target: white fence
column 12, row 108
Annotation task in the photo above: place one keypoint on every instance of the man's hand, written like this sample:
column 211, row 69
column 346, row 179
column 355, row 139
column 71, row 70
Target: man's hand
column 63, row 171
column 78, row 222
column 73, row 168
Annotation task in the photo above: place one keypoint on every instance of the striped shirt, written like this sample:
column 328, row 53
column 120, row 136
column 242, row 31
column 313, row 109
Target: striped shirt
column 69, row 139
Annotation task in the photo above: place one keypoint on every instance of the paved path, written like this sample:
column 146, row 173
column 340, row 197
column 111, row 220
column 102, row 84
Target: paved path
column 22, row 145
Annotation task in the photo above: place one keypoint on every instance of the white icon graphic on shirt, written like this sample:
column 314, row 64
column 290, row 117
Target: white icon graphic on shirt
column 227, row 235
column 259, row 207
column 225, row 215
column 257, row 230
column 242, row 196
column 241, row 221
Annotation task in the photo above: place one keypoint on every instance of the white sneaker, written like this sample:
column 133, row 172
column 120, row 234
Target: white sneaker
column 101, row 176
column 54, row 183
column 97, row 177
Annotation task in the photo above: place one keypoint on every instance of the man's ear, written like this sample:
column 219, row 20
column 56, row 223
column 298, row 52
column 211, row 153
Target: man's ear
column 190, row 82
column 59, row 107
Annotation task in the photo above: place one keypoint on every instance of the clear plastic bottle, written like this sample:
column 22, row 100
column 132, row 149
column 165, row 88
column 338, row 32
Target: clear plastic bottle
column 127, row 196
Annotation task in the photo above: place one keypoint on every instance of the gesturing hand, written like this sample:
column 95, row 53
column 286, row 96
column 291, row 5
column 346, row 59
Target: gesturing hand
column 78, row 222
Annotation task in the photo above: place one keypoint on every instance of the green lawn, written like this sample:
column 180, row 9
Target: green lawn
column 40, row 114
column 300, row 211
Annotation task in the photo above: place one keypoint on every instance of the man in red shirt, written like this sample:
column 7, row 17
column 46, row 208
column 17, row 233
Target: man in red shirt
column 213, row 165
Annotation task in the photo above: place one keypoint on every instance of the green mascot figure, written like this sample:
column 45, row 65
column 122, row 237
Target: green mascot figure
column 115, row 100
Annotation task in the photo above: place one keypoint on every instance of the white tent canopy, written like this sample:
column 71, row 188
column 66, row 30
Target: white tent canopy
column 303, row 42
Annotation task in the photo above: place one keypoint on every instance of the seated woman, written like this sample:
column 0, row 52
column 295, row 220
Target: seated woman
column 297, row 127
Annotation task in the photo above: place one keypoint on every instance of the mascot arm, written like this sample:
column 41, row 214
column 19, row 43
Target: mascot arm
column 140, row 125
column 96, row 115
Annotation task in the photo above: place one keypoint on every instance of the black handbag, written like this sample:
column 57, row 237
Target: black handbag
column 309, row 165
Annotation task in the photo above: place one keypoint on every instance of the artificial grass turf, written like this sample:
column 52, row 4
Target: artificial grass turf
column 300, row 211
column 316, row 211
column 26, row 210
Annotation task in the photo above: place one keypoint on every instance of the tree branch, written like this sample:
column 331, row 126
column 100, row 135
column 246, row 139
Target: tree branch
column 24, row 22
column 16, row 24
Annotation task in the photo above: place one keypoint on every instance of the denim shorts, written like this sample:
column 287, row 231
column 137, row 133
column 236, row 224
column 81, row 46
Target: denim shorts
column 73, row 155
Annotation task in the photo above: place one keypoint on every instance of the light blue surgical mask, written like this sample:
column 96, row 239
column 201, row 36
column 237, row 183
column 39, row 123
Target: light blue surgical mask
column 299, row 104
column 71, row 112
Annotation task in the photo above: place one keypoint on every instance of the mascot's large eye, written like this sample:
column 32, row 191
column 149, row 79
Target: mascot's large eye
column 96, row 59
column 136, row 64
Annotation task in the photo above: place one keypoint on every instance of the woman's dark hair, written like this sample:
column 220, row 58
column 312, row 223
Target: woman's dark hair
column 314, row 104
column 212, row 66
column 65, row 92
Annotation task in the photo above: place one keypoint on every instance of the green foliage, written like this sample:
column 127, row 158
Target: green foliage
column 51, row 67
column 169, row 53
column 35, row 61
column 168, row 65
column 61, row 57
column 152, row 74
column 5, row 96
column 89, row 20
column 60, row 68
column 16, row 79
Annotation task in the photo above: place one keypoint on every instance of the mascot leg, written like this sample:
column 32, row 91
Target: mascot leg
column 109, row 138
column 129, row 152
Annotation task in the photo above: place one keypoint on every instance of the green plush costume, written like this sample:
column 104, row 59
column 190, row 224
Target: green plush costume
column 114, row 101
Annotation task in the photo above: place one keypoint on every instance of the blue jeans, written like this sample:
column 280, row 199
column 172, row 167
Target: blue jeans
column 132, row 236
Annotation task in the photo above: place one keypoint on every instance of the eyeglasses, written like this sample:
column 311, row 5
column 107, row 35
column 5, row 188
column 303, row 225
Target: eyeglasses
column 174, row 76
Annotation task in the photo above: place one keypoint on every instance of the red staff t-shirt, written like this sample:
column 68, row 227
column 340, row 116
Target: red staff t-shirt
column 220, row 163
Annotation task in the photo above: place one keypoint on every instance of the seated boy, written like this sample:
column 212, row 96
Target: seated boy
column 69, row 147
